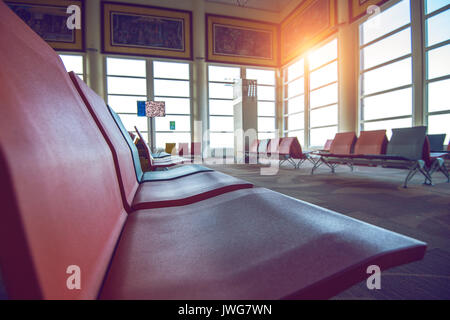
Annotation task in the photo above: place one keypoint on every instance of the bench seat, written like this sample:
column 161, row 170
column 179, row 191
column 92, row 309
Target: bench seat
column 248, row 244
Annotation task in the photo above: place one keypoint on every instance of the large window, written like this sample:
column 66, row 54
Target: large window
column 127, row 84
column 386, row 69
column 317, row 75
column 294, row 101
column 437, row 47
column 73, row 63
column 266, row 101
column 323, row 93
column 221, row 121
column 171, row 84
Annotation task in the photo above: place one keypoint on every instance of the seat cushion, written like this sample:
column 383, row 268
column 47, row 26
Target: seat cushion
column 248, row 244
column 186, row 190
column 174, row 173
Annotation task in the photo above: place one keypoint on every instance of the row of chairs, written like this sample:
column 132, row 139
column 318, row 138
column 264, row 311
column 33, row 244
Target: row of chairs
column 282, row 149
column 76, row 204
column 409, row 148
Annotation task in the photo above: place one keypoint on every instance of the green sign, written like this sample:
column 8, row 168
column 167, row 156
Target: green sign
column 172, row 125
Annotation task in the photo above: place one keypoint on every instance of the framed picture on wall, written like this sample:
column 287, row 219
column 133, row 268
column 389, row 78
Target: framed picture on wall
column 241, row 41
column 48, row 18
column 311, row 22
column 146, row 31
column 358, row 8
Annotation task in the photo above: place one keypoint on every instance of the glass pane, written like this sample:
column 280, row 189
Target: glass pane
column 392, row 104
column 296, row 122
column 221, row 140
column 72, row 63
column 266, row 135
column 439, row 62
column 299, row 134
column 262, row 76
column 182, row 123
column 266, row 109
column 439, row 96
column 127, row 86
column 385, row 22
column 131, row 120
column 221, row 124
column 323, row 55
column 221, row 107
column 433, row 5
column 296, row 104
column 220, row 91
column 324, row 96
column 266, row 93
column 324, row 116
column 296, row 70
column 171, row 137
column 391, row 76
column 224, row 73
column 387, row 49
column 318, row 137
column 125, row 67
column 266, row 124
column 176, row 105
column 388, row 125
column 295, row 88
column 324, row 75
column 171, row 70
column 440, row 124
column 124, row 104
column 438, row 28
column 172, row 88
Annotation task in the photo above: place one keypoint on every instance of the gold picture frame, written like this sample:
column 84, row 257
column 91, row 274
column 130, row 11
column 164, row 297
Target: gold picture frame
column 358, row 8
column 241, row 41
column 48, row 19
column 311, row 22
column 163, row 32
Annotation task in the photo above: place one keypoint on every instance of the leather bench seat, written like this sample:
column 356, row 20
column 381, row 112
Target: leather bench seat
column 248, row 244
column 187, row 190
column 173, row 173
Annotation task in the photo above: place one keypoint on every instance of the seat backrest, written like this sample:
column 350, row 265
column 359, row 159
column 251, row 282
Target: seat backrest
column 196, row 148
column 327, row 145
column 290, row 146
column 448, row 147
column 60, row 199
column 436, row 142
column 254, row 146
column 170, row 147
column 343, row 143
column 263, row 146
column 183, row 149
column 371, row 143
column 273, row 146
column 407, row 142
column 147, row 151
column 116, row 140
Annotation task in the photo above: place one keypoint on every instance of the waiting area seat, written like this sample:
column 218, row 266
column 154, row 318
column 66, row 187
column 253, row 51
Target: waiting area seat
column 408, row 149
column 65, row 204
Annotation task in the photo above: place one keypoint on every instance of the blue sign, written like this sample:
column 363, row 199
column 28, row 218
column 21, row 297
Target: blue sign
column 141, row 109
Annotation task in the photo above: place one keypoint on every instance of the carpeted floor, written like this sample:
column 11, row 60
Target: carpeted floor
column 376, row 196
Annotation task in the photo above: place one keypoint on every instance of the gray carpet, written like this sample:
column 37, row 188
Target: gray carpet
column 376, row 196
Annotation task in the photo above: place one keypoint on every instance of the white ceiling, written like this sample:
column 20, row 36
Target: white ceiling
column 269, row 5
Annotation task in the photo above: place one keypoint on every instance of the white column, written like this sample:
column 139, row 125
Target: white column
column 200, row 83
column 94, row 59
column 348, row 71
